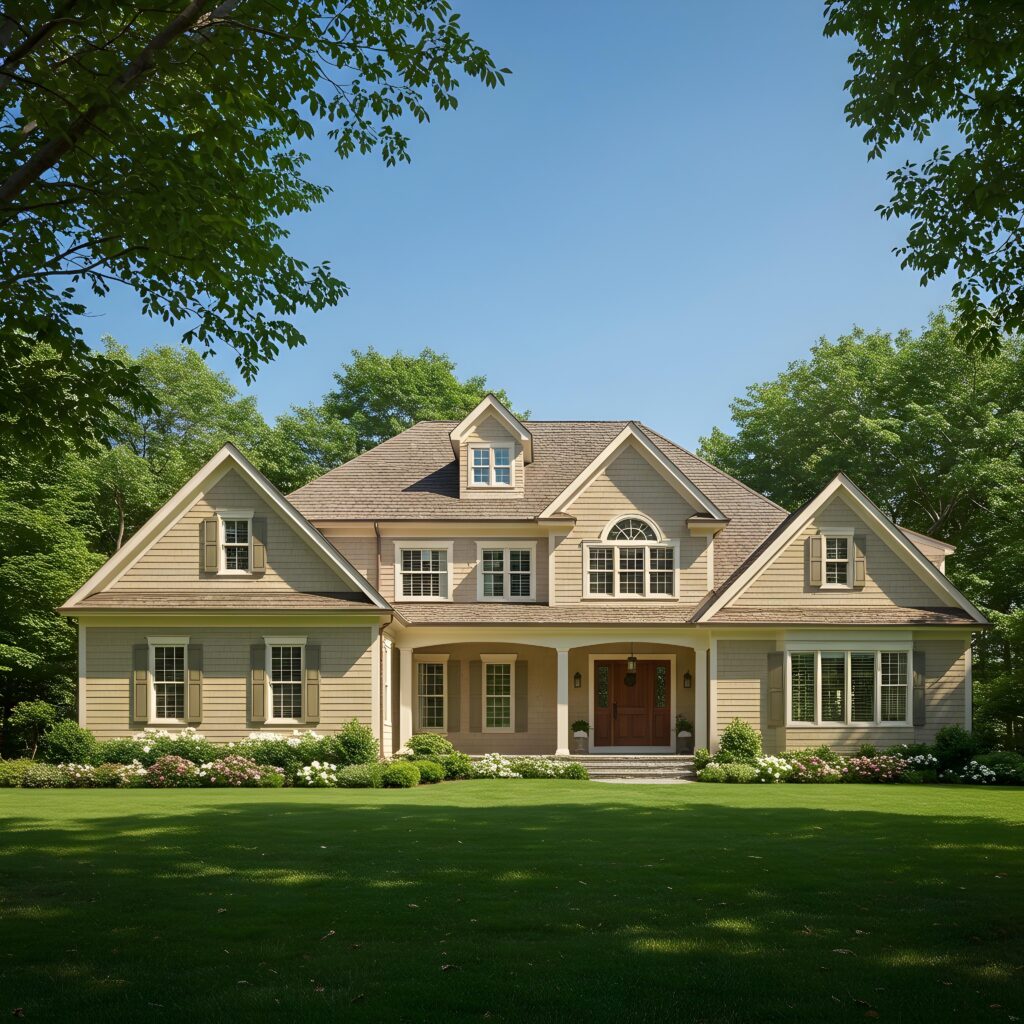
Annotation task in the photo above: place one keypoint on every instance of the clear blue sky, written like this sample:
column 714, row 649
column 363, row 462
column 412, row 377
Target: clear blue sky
column 663, row 205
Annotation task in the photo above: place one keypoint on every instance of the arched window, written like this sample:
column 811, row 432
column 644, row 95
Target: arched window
column 631, row 529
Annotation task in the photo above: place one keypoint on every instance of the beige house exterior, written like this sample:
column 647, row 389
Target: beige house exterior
column 496, row 581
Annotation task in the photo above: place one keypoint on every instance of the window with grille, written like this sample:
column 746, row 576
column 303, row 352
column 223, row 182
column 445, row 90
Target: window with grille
column 498, row 682
column 836, row 555
column 621, row 570
column 849, row 687
column 286, row 682
column 491, row 466
column 894, row 686
column 430, row 691
column 506, row 573
column 424, row 573
column 235, row 535
column 802, row 687
column 168, row 683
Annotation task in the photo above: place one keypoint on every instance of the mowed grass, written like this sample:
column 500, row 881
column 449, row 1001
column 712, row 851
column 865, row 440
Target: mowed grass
column 513, row 901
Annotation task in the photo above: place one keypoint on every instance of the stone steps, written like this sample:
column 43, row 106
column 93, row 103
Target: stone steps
column 637, row 766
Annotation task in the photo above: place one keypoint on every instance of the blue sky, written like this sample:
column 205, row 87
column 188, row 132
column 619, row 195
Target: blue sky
column 662, row 206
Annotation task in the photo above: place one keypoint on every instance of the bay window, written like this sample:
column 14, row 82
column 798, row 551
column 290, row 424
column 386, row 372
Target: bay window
column 868, row 687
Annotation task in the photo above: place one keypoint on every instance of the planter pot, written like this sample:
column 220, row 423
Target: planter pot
column 684, row 743
column 579, row 742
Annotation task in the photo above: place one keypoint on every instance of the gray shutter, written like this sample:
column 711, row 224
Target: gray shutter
column 522, row 696
column 258, row 672
column 140, row 682
column 475, row 696
column 208, row 543
column 860, row 562
column 919, row 688
column 258, row 561
column 814, row 550
column 775, row 712
column 454, row 697
column 311, row 696
column 194, row 685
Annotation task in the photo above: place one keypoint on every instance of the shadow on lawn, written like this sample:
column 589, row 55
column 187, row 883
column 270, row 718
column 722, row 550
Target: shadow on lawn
column 380, row 905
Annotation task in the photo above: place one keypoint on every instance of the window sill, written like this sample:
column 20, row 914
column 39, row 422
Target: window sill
column 848, row 725
column 234, row 572
column 506, row 600
column 285, row 721
column 433, row 600
column 836, row 586
column 663, row 598
column 167, row 721
column 507, row 729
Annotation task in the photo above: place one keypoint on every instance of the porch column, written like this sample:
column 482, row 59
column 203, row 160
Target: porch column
column 404, row 695
column 562, row 712
column 700, row 697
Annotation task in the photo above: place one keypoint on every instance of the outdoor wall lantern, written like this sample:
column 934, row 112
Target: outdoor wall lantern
column 577, row 680
column 687, row 680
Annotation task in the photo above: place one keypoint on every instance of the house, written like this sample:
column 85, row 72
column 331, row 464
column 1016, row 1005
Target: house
column 494, row 580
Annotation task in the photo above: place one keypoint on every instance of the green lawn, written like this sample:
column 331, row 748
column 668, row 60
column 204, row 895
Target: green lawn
column 514, row 901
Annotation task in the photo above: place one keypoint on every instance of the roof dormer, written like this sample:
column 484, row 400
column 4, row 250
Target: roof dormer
column 492, row 448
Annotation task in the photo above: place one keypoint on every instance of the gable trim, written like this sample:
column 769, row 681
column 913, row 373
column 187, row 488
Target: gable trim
column 490, row 406
column 891, row 533
column 172, row 511
column 654, row 455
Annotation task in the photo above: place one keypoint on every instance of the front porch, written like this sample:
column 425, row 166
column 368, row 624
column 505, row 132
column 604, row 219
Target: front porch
column 522, row 696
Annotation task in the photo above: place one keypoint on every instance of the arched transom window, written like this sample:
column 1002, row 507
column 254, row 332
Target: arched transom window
column 631, row 562
column 632, row 529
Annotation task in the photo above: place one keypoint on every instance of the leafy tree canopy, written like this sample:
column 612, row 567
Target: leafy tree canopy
column 379, row 396
column 932, row 433
column 159, row 145
column 922, row 63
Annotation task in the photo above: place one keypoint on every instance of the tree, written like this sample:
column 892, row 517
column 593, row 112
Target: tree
column 379, row 396
column 159, row 145
column 931, row 432
column 920, row 63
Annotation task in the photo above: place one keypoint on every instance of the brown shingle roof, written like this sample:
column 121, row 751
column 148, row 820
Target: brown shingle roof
column 428, row 613
column 413, row 476
column 222, row 600
column 804, row 616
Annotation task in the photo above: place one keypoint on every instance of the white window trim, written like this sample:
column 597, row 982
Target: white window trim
column 616, row 545
column 431, row 659
column 424, row 545
column 498, row 659
column 386, row 674
column 489, row 447
column 878, row 650
column 240, row 514
column 659, row 536
column 847, row 533
column 165, row 641
column 506, row 546
column 284, row 641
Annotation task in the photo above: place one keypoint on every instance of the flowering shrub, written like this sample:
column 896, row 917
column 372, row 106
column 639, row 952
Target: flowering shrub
column 729, row 772
column 881, row 768
column 771, row 768
column 972, row 773
column 811, row 767
column 187, row 744
column 318, row 775
column 171, row 772
column 1008, row 766
column 80, row 776
column 495, row 766
column 233, row 770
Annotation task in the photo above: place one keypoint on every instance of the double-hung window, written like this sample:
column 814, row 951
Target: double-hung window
column 827, row 687
column 499, row 682
column 431, row 693
column 632, row 561
column 424, row 573
column 491, row 465
column 837, row 558
column 286, row 664
column 168, row 663
column 505, row 573
column 235, row 542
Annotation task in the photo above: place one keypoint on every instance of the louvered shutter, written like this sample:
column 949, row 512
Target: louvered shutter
column 814, row 553
column 920, row 692
column 259, row 545
column 454, row 697
column 475, row 696
column 860, row 562
column 258, row 683
column 312, row 689
column 140, row 682
column 522, row 696
column 775, row 712
column 194, row 685
column 208, row 542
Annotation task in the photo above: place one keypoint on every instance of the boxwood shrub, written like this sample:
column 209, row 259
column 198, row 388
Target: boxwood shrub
column 429, row 744
column 399, row 775
column 430, row 771
column 360, row 776
column 732, row 772
column 67, row 743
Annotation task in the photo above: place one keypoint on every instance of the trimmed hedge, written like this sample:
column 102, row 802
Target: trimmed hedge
column 400, row 775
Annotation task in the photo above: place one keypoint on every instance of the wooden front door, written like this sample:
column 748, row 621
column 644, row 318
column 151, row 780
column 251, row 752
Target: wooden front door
column 632, row 709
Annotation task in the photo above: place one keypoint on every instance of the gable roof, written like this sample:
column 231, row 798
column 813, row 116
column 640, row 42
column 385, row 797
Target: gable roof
column 632, row 435
column 414, row 477
column 790, row 528
column 229, row 457
column 491, row 406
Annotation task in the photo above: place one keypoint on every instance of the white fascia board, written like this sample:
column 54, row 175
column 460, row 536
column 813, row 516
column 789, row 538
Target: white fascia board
column 655, row 455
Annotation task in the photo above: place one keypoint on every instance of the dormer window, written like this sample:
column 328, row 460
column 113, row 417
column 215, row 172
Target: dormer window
column 491, row 465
